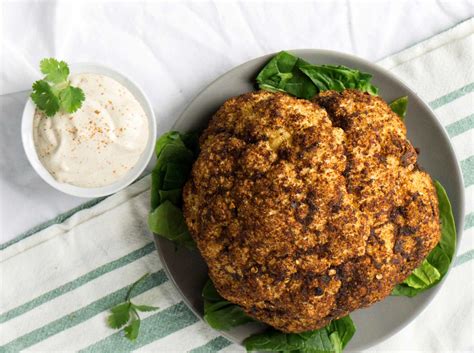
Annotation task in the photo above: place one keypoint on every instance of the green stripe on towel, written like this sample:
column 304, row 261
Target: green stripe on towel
column 76, row 317
column 212, row 346
column 467, row 256
column 152, row 328
column 56, row 220
column 467, row 167
column 460, row 126
column 61, row 218
column 80, row 281
column 469, row 221
column 451, row 96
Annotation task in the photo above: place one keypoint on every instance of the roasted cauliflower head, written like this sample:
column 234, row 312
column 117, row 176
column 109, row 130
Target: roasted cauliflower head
column 307, row 210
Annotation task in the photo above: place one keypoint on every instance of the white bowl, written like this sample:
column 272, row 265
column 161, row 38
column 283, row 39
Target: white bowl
column 130, row 176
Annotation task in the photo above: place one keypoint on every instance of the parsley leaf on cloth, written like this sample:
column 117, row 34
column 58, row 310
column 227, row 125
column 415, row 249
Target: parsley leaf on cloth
column 127, row 313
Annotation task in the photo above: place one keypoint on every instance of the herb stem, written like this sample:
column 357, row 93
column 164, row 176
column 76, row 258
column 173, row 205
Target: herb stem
column 134, row 285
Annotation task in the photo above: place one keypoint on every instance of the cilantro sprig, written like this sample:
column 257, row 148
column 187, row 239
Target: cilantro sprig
column 54, row 92
column 127, row 313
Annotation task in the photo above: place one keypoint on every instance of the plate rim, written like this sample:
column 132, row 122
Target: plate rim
column 458, row 173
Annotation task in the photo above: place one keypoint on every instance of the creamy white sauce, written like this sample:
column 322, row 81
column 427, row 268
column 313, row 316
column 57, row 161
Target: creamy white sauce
column 100, row 142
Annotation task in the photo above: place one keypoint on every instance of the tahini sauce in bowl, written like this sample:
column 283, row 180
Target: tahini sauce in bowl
column 100, row 142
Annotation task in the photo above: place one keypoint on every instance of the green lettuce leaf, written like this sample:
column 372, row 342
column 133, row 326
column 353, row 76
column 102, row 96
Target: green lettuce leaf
column 225, row 315
column 399, row 106
column 437, row 263
column 423, row 276
column 288, row 73
column 332, row 338
column 175, row 154
column 167, row 220
column 173, row 195
column 448, row 227
column 218, row 312
column 209, row 292
column 282, row 74
column 338, row 78
column 345, row 329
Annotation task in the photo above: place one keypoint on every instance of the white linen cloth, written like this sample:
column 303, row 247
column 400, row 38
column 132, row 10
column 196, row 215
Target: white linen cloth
column 58, row 283
column 173, row 49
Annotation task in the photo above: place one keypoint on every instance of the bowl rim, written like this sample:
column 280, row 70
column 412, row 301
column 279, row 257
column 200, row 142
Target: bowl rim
column 376, row 69
column 131, row 175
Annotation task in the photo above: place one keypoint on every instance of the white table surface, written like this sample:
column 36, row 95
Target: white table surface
column 173, row 50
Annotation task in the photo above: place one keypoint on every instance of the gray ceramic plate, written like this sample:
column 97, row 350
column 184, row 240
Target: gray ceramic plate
column 376, row 323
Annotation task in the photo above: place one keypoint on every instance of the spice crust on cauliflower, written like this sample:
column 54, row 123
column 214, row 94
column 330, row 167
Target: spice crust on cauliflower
column 307, row 210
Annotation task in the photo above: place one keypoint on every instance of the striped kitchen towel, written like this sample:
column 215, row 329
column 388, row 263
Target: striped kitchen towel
column 58, row 283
